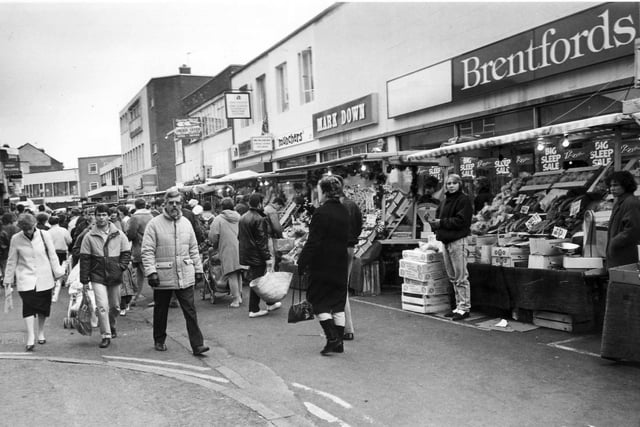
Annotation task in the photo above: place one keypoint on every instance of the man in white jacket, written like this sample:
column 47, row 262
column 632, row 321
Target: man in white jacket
column 172, row 264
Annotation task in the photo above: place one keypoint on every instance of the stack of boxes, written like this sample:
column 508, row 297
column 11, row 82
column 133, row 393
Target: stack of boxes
column 544, row 254
column 509, row 256
column 426, row 286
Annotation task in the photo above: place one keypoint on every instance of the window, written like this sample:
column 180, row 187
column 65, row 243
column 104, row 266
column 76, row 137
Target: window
column 246, row 122
column 93, row 168
column 213, row 118
column 261, row 104
column 305, row 63
column 93, row 186
column 282, row 87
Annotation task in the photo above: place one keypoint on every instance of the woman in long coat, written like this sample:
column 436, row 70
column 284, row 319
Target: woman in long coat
column 223, row 235
column 624, row 225
column 325, row 258
column 33, row 266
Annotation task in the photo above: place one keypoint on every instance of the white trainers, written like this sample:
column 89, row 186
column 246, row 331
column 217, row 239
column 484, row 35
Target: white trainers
column 273, row 307
column 258, row 313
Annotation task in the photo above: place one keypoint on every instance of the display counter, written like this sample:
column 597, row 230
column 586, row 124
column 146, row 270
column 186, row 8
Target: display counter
column 524, row 291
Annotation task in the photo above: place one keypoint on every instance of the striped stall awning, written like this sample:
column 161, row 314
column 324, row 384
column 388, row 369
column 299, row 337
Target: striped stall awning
column 559, row 129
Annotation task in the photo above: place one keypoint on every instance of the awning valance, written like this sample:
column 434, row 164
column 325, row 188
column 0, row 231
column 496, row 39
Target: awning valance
column 559, row 129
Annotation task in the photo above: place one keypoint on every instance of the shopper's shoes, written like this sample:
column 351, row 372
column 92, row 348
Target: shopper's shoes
column 199, row 350
column 174, row 304
column 151, row 304
column 333, row 346
column 274, row 307
column 235, row 304
column 105, row 343
column 160, row 346
column 42, row 341
column 123, row 312
column 29, row 347
column 450, row 313
column 460, row 316
column 260, row 313
column 348, row 336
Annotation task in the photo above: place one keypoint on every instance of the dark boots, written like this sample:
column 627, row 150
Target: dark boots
column 334, row 340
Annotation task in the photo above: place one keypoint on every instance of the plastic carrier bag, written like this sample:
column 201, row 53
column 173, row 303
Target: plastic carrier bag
column 85, row 312
column 273, row 286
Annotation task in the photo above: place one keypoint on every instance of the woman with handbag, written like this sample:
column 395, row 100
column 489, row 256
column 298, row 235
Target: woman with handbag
column 325, row 258
column 34, row 267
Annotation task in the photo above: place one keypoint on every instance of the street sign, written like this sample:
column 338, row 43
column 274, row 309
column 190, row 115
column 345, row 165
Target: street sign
column 187, row 128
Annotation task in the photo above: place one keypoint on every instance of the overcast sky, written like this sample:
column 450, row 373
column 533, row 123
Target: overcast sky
column 67, row 69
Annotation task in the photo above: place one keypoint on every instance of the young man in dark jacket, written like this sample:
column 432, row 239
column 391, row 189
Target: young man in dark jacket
column 254, row 250
column 105, row 253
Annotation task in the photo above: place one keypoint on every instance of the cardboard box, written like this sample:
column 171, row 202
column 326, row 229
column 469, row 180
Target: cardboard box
column 560, row 321
column 422, row 256
column 544, row 261
column 421, row 267
column 545, row 246
column 580, row 262
column 483, row 254
column 422, row 277
column 501, row 261
column 508, row 251
column 625, row 274
column 430, row 282
column 436, row 287
column 487, row 240
column 426, row 309
column 425, row 299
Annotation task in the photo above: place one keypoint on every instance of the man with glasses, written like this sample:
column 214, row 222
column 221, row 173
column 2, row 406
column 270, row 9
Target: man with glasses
column 172, row 264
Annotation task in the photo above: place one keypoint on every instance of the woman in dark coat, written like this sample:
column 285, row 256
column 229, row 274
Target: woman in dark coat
column 325, row 258
column 624, row 225
column 452, row 227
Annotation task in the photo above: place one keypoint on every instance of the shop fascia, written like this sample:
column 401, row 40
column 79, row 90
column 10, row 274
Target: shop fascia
column 348, row 116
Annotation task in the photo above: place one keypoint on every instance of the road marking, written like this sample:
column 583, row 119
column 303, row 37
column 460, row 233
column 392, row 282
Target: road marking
column 558, row 344
column 329, row 396
column 424, row 316
column 324, row 415
column 159, row 362
column 173, row 371
column 20, row 353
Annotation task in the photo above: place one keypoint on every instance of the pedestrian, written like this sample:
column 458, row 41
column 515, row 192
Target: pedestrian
column 7, row 230
column 483, row 194
column 274, row 228
column 42, row 219
column 241, row 206
column 75, row 215
column 123, row 215
column 254, row 251
column 156, row 207
column 115, row 219
column 33, row 267
column 624, row 224
column 355, row 227
column 223, row 236
column 61, row 238
column 207, row 212
column 82, row 227
column 188, row 214
column 452, row 225
column 105, row 253
column 135, row 232
column 429, row 189
column 324, row 258
column 172, row 265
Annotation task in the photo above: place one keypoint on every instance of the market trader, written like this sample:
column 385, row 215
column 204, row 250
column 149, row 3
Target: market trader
column 172, row 264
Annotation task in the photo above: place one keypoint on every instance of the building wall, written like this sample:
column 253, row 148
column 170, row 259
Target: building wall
column 38, row 159
column 359, row 47
column 49, row 184
column 84, row 177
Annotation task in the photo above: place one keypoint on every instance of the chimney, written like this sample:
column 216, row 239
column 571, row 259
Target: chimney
column 184, row 69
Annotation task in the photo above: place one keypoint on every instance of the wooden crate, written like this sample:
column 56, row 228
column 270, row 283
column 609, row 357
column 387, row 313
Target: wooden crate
column 560, row 321
column 426, row 309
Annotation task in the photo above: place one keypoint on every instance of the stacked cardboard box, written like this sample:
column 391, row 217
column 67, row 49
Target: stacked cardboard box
column 544, row 253
column 426, row 286
column 509, row 256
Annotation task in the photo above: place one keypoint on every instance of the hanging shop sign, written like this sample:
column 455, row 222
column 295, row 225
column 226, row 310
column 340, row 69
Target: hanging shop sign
column 630, row 148
column 523, row 160
column 261, row 143
column 468, row 167
column 486, row 164
column 294, row 138
column 602, row 152
column 348, row 116
column 237, row 105
column 596, row 35
column 575, row 154
column 187, row 128
column 435, row 171
column 549, row 159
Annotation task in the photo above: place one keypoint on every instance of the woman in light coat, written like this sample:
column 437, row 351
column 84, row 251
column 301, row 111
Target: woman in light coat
column 33, row 266
column 223, row 235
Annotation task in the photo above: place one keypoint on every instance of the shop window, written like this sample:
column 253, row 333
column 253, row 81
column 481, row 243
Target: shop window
column 478, row 128
column 513, row 122
column 297, row 161
column 261, row 103
column 305, row 64
column 426, row 139
column 282, row 87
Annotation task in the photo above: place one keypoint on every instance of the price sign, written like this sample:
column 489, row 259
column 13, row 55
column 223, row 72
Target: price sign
column 535, row 218
column 559, row 232
column 521, row 198
column 370, row 221
column 524, row 209
column 575, row 208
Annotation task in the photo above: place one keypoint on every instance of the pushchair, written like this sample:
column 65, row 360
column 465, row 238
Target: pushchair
column 213, row 287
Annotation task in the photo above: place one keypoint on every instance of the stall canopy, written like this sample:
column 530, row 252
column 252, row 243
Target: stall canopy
column 558, row 129
column 211, row 184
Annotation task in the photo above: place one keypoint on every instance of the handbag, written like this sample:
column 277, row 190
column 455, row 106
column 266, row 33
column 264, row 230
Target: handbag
column 302, row 310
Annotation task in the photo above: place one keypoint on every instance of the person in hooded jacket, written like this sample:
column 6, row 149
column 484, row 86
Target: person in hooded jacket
column 452, row 227
column 624, row 224
column 172, row 264
column 223, row 235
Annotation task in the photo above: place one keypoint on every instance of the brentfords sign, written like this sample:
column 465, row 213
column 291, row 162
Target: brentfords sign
column 596, row 35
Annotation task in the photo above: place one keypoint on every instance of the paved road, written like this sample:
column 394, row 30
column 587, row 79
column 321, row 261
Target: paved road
column 403, row 369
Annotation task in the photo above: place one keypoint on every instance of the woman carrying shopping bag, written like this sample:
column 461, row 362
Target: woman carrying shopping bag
column 325, row 258
column 34, row 267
